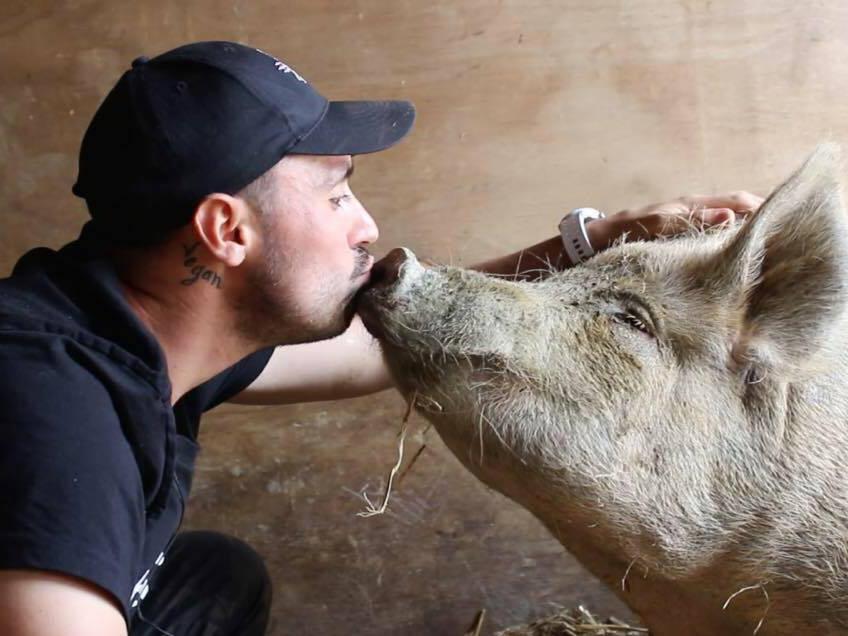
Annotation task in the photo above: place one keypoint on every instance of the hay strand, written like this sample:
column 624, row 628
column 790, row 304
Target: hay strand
column 372, row 510
column 575, row 622
column 476, row 624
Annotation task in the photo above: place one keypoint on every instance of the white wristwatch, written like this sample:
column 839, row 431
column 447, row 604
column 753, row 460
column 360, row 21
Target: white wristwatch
column 575, row 240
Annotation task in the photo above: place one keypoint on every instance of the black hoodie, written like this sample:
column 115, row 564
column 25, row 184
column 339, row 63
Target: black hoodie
column 95, row 464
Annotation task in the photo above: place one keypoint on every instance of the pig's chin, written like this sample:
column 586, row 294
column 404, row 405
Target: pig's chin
column 369, row 317
column 371, row 308
column 415, row 369
column 375, row 310
column 420, row 366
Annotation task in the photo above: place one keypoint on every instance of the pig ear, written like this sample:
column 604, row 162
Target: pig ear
column 786, row 268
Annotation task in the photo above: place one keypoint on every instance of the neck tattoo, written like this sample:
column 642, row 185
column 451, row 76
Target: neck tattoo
column 198, row 270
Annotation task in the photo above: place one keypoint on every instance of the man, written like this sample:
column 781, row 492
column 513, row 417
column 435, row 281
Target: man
column 221, row 263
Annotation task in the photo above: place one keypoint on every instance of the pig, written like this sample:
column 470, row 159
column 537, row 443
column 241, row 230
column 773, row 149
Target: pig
column 675, row 412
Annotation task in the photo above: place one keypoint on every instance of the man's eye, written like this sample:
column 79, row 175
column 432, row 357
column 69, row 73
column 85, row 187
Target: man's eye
column 337, row 201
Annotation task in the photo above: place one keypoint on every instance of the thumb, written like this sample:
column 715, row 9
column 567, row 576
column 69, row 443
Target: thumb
column 717, row 216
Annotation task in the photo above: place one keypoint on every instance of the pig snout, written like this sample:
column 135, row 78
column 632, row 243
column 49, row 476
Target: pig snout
column 387, row 270
column 390, row 278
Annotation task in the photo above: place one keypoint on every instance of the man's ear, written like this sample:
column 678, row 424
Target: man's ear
column 222, row 223
column 787, row 270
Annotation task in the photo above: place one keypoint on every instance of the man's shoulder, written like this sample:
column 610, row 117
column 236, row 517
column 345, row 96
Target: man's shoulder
column 65, row 308
column 41, row 299
column 25, row 296
column 52, row 351
column 50, row 379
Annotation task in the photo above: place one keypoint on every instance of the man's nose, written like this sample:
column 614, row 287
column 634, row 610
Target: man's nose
column 386, row 271
column 366, row 230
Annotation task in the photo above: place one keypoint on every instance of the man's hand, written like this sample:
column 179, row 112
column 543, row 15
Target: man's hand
column 661, row 219
column 665, row 219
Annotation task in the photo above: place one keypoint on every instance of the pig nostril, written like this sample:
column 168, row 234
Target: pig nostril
column 378, row 274
column 386, row 271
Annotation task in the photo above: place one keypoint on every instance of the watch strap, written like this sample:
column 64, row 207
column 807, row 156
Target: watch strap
column 575, row 239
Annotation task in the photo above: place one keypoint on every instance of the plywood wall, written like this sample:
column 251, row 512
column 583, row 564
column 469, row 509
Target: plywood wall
column 527, row 108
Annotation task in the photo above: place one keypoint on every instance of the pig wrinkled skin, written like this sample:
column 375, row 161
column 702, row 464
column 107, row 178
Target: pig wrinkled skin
column 675, row 412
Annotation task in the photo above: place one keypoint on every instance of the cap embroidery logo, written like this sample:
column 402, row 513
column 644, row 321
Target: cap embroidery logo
column 288, row 69
column 282, row 67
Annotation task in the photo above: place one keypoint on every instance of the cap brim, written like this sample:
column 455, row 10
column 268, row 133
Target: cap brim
column 356, row 128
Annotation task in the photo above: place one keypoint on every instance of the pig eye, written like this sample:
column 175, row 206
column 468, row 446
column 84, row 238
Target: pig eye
column 632, row 319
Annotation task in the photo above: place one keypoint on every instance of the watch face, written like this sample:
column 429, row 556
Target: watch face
column 590, row 214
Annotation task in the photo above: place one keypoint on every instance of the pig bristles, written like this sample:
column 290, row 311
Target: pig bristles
column 749, row 588
column 624, row 587
column 372, row 510
column 480, row 433
column 500, row 438
column 525, row 274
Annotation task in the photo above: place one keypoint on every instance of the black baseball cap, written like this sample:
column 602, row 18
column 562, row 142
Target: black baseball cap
column 211, row 117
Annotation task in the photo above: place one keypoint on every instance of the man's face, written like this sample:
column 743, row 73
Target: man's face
column 313, row 258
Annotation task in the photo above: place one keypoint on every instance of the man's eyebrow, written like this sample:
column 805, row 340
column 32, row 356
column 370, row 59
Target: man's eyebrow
column 334, row 181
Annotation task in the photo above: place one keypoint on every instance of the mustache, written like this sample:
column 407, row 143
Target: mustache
column 361, row 263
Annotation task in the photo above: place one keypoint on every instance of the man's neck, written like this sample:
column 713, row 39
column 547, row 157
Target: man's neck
column 192, row 326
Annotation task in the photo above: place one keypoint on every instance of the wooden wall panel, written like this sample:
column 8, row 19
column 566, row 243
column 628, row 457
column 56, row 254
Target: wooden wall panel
column 526, row 109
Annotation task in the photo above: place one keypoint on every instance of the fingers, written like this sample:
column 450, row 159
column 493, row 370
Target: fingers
column 682, row 215
column 740, row 202
column 716, row 216
column 668, row 223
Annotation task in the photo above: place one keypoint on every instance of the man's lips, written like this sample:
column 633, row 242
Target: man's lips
column 365, row 270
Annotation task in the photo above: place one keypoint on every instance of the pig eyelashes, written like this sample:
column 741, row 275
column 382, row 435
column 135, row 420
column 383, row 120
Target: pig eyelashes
column 632, row 319
column 636, row 313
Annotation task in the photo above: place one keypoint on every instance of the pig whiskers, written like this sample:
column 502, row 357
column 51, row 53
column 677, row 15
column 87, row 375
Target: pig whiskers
column 625, row 587
column 749, row 588
column 403, row 325
column 525, row 275
column 499, row 436
column 480, row 435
